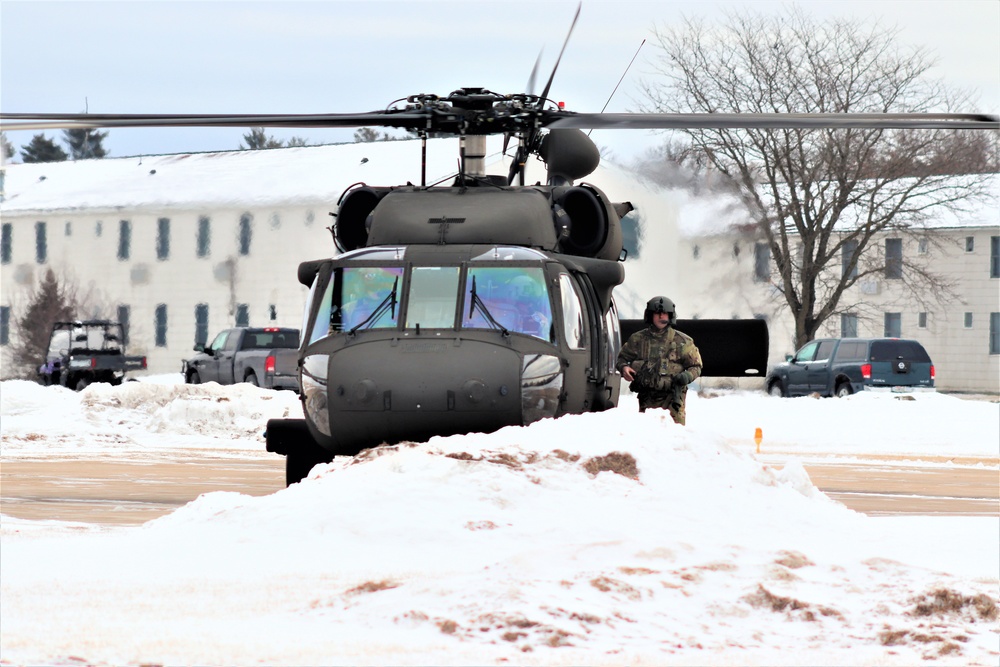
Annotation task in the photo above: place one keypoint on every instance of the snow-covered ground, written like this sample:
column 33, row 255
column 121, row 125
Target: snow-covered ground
column 613, row 538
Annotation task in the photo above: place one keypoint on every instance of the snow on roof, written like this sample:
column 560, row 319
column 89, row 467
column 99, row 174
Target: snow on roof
column 306, row 175
column 310, row 175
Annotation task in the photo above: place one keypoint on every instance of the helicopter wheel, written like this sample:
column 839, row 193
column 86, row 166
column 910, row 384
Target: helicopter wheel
column 300, row 461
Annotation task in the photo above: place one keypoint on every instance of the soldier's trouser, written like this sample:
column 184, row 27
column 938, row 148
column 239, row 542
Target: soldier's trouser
column 664, row 400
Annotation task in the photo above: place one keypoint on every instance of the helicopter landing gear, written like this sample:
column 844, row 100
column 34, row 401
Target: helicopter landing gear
column 291, row 439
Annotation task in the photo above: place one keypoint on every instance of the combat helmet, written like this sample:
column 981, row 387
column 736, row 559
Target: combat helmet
column 660, row 304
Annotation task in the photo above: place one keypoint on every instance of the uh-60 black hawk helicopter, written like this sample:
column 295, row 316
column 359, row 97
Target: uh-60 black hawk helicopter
column 485, row 302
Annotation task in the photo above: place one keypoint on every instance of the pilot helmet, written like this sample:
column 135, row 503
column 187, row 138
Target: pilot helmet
column 660, row 304
column 525, row 287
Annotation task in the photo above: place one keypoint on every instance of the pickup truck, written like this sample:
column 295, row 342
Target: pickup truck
column 82, row 352
column 843, row 366
column 265, row 357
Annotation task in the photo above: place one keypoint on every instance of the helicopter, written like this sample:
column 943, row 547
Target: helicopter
column 486, row 302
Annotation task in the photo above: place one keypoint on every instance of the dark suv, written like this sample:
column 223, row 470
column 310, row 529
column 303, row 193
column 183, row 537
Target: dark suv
column 842, row 366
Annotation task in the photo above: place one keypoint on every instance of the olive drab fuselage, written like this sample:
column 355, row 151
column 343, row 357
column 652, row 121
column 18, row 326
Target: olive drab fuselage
column 451, row 339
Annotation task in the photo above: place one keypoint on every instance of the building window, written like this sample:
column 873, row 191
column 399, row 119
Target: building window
column 736, row 250
column 124, row 313
column 246, row 233
column 68, row 230
column 204, row 236
column 970, row 243
column 124, row 239
column 848, row 325
column 922, row 245
column 4, row 325
column 98, row 228
column 163, row 238
column 160, row 325
column 761, row 262
column 893, row 325
column 922, row 320
column 848, row 265
column 41, row 243
column 968, row 320
column 6, row 240
column 894, row 258
column 201, row 324
column 995, row 257
column 696, row 251
column 994, row 333
column 242, row 315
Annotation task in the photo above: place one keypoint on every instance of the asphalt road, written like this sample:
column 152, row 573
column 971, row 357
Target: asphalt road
column 133, row 492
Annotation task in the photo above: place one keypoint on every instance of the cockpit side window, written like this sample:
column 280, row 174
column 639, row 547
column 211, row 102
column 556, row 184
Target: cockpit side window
column 515, row 297
column 574, row 322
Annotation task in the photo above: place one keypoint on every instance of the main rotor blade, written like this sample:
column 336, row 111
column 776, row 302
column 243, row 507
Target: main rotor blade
column 545, row 92
column 50, row 121
column 705, row 121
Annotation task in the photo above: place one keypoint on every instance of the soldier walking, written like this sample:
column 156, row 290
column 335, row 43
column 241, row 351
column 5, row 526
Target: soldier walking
column 660, row 362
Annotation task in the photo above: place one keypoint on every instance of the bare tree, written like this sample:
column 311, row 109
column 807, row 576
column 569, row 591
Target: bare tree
column 823, row 199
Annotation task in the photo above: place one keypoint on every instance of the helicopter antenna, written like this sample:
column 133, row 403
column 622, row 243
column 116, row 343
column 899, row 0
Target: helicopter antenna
column 627, row 68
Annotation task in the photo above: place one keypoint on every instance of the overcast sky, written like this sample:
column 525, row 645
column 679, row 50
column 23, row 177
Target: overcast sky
column 314, row 57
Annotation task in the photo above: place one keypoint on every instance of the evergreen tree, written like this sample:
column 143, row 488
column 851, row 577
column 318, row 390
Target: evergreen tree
column 257, row 139
column 42, row 149
column 51, row 301
column 6, row 146
column 85, row 143
column 366, row 135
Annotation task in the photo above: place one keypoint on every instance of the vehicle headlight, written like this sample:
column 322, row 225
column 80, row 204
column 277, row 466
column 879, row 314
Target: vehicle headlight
column 541, row 386
column 314, row 391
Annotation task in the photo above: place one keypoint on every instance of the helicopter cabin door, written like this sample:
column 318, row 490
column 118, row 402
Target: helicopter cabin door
column 575, row 339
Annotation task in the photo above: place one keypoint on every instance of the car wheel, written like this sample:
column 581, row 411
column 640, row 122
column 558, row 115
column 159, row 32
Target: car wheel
column 252, row 379
column 194, row 378
column 843, row 390
column 776, row 389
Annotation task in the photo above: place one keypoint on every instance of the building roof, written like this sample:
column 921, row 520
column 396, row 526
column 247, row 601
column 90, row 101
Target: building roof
column 306, row 175
column 318, row 175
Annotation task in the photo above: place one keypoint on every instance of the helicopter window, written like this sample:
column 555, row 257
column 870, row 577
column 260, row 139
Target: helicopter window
column 573, row 322
column 614, row 336
column 322, row 325
column 364, row 297
column 514, row 297
column 432, row 297
column 506, row 253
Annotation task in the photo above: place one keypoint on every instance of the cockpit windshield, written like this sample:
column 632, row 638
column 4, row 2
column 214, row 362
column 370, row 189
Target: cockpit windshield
column 512, row 298
column 359, row 298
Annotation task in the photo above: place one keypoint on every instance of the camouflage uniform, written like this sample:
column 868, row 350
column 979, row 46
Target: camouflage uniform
column 666, row 361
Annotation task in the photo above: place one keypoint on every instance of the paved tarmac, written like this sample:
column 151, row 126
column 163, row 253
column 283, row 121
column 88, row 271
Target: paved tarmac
column 133, row 492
